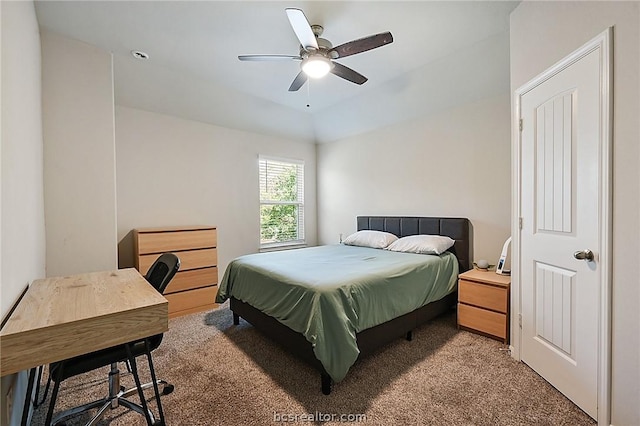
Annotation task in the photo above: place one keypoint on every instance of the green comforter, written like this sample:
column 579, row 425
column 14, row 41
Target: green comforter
column 329, row 293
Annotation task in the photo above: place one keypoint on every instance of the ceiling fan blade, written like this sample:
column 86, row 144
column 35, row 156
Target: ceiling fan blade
column 297, row 83
column 348, row 74
column 362, row 45
column 269, row 58
column 301, row 27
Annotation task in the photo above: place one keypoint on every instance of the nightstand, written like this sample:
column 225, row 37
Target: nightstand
column 483, row 303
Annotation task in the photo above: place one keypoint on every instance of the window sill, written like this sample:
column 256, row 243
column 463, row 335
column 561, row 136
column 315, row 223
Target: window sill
column 283, row 246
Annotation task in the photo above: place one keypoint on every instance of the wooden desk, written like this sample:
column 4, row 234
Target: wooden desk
column 63, row 317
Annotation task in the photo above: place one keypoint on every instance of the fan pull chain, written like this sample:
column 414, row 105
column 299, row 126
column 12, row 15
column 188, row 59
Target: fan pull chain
column 309, row 94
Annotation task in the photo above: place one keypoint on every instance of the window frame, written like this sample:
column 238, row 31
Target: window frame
column 301, row 240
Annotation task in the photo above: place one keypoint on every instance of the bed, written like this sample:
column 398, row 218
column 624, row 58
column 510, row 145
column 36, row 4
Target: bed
column 331, row 305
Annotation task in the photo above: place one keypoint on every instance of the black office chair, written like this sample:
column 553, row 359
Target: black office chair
column 159, row 275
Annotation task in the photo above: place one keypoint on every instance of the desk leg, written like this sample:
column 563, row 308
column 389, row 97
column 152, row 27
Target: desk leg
column 27, row 397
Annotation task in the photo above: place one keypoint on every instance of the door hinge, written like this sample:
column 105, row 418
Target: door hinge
column 520, row 124
column 520, row 320
column 520, row 222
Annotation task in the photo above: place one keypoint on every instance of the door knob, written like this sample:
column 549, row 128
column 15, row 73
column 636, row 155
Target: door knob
column 584, row 255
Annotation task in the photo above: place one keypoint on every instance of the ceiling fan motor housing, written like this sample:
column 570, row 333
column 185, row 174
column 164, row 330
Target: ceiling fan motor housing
column 324, row 48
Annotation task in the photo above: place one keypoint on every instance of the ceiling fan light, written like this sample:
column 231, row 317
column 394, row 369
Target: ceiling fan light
column 316, row 66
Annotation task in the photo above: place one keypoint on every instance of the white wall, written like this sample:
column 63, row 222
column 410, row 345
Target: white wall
column 542, row 33
column 22, row 194
column 79, row 156
column 453, row 163
column 173, row 171
column 22, row 254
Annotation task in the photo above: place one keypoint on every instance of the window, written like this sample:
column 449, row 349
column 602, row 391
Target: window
column 281, row 202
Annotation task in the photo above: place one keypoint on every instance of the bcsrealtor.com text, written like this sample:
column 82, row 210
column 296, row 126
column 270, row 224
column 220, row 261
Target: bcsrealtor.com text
column 318, row 416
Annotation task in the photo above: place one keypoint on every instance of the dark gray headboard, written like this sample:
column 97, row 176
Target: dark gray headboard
column 459, row 229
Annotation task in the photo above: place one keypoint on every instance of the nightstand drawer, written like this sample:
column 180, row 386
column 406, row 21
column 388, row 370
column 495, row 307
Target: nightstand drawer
column 489, row 322
column 483, row 295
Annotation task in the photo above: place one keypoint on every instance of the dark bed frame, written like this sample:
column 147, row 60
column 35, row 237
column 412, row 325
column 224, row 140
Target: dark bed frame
column 369, row 340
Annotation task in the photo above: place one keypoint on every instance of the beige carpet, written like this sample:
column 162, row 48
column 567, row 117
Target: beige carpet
column 232, row 375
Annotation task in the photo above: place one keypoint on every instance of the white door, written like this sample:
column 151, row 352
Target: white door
column 561, row 200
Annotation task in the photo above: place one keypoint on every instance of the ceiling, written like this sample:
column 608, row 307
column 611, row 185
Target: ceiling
column 443, row 54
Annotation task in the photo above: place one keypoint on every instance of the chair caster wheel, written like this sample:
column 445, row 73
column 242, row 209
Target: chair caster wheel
column 167, row 389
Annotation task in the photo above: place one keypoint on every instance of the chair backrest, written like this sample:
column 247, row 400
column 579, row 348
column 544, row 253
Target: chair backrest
column 159, row 276
column 162, row 271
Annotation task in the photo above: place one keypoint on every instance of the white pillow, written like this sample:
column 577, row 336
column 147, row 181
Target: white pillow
column 422, row 244
column 373, row 239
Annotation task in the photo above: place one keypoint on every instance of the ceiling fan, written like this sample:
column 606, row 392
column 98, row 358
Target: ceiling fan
column 318, row 54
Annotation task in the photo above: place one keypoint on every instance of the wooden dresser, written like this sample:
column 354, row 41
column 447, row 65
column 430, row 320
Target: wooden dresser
column 483, row 303
column 194, row 287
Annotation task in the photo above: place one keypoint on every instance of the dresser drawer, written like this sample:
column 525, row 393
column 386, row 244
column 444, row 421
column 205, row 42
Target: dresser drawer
column 191, row 259
column 186, row 302
column 194, row 278
column 194, row 286
column 483, row 295
column 489, row 322
column 160, row 242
